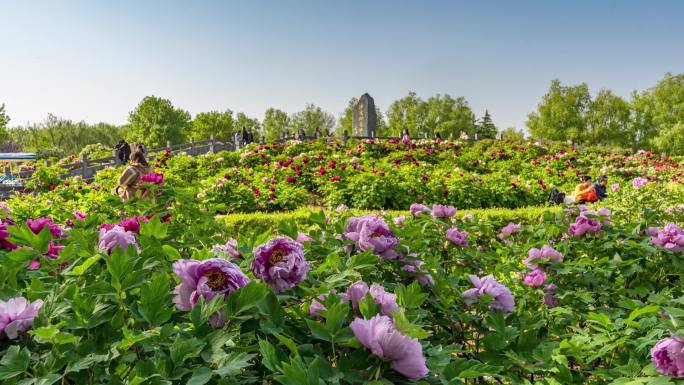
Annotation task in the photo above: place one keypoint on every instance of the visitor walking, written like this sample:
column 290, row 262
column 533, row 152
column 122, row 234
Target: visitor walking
column 138, row 166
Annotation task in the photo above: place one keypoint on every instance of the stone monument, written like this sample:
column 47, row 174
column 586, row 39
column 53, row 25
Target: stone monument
column 364, row 119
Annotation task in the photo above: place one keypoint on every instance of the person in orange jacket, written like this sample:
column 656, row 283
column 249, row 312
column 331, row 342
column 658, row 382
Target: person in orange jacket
column 584, row 192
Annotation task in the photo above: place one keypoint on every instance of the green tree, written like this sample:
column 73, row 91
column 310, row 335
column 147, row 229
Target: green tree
column 312, row 117
column 448, row 116
column 670, row 139
column 561, row 115
column 410, row 113
column 219, row 124
column 4, row 121
column 658, row 108
column 510, row 134
column 274, row 124
column 485, row 128
column 156, row 121
column 608, row 120
column 244, row 122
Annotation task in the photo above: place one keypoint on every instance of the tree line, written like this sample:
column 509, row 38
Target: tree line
column 653, row 118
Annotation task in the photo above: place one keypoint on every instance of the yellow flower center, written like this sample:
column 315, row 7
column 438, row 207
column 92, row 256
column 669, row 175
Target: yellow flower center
column 215, row 280
column 375, row 235
column 277, row 256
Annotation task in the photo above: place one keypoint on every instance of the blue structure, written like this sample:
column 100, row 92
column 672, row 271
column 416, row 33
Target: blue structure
column 16, row 156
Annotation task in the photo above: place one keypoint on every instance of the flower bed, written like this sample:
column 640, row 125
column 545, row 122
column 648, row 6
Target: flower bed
column 430, row 296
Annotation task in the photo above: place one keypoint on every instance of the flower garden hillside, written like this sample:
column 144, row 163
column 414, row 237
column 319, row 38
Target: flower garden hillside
column 158, row 291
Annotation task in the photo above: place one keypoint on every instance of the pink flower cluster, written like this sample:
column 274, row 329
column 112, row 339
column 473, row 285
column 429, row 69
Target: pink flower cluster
column 502, row 298
column 509, row 230
column 670, row 237
column 458, row 238
column 153, row 178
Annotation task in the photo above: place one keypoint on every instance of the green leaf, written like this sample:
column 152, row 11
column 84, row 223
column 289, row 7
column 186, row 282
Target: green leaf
column 639, row 312
column 203, row 310
column 83, row 267
column 233, row 363
column 52, row 334
column 405, row 326
column 368, row 307
column 269, row 356
column 410, row 297
column 154, row 299
column 318, row 330
column 14, row 362
column 86, row 362
column 154, row 228
column 200, row 376
column 247, row 297
column 171, row 252
column 184, row 348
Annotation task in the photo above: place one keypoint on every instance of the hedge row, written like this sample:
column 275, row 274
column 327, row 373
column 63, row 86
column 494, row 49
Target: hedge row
column 263, row 221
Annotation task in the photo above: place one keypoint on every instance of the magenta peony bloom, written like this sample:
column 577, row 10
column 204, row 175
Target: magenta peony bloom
column 53, row 250
column 503, row 299
column 442, row 211
column 652, row 231
column 615, row 187
column 317, row 304
column 206, row 279
column 417, row 209
column 546, row 253
column 358, row 290
column 423, row 277
column 549, row 298
column 301, row 238
column 458, row 238
column 372, row 233
column 16, row 315
column 4, row 234
column 229, row 249
column 639, row 182
column 37, row 225
column 280, row 263
column 509, row 230
column 128, row 224
column 399, row 220
column 116, row 237
column 153, row 178
column 671, row 237
column 79, row 215
column 668, row 357
column 380, row 337
column 535, row 278
column 584, row 225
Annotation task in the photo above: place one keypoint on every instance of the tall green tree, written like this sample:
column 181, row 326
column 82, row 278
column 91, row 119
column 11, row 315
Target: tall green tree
column 274, row 124
column 409, row 112
column 448, row 116
column 608, row 120
column 155, row 121
column 510, row 134
column 4, row 122
column 561, row 115
column 311, row 118
column 244, row 122
column 485, row 128
column 670, row 139
column 219, row 124
column 658, row 108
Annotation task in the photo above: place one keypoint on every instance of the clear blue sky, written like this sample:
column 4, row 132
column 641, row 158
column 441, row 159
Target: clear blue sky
column 95, row 60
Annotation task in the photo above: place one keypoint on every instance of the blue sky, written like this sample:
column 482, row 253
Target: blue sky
column 95, row 60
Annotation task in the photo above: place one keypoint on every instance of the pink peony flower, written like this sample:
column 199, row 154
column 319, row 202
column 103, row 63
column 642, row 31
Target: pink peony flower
column 458, row 238
column 280, row 263
column 229, row 249
column 417, row 209
column 17, row 315
column 668, row 357
column 535, row 278
column 671, row 237
column 503, row 299
column 301, row 238
column 372, row 233
column 509, row 230
column 441, row 211
column 399, row 220
column 115, row 237
column 358, row 290
column 37, row 225
column 615, row 187
column 382, row 339
column 546, row 253
column 639, row 182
